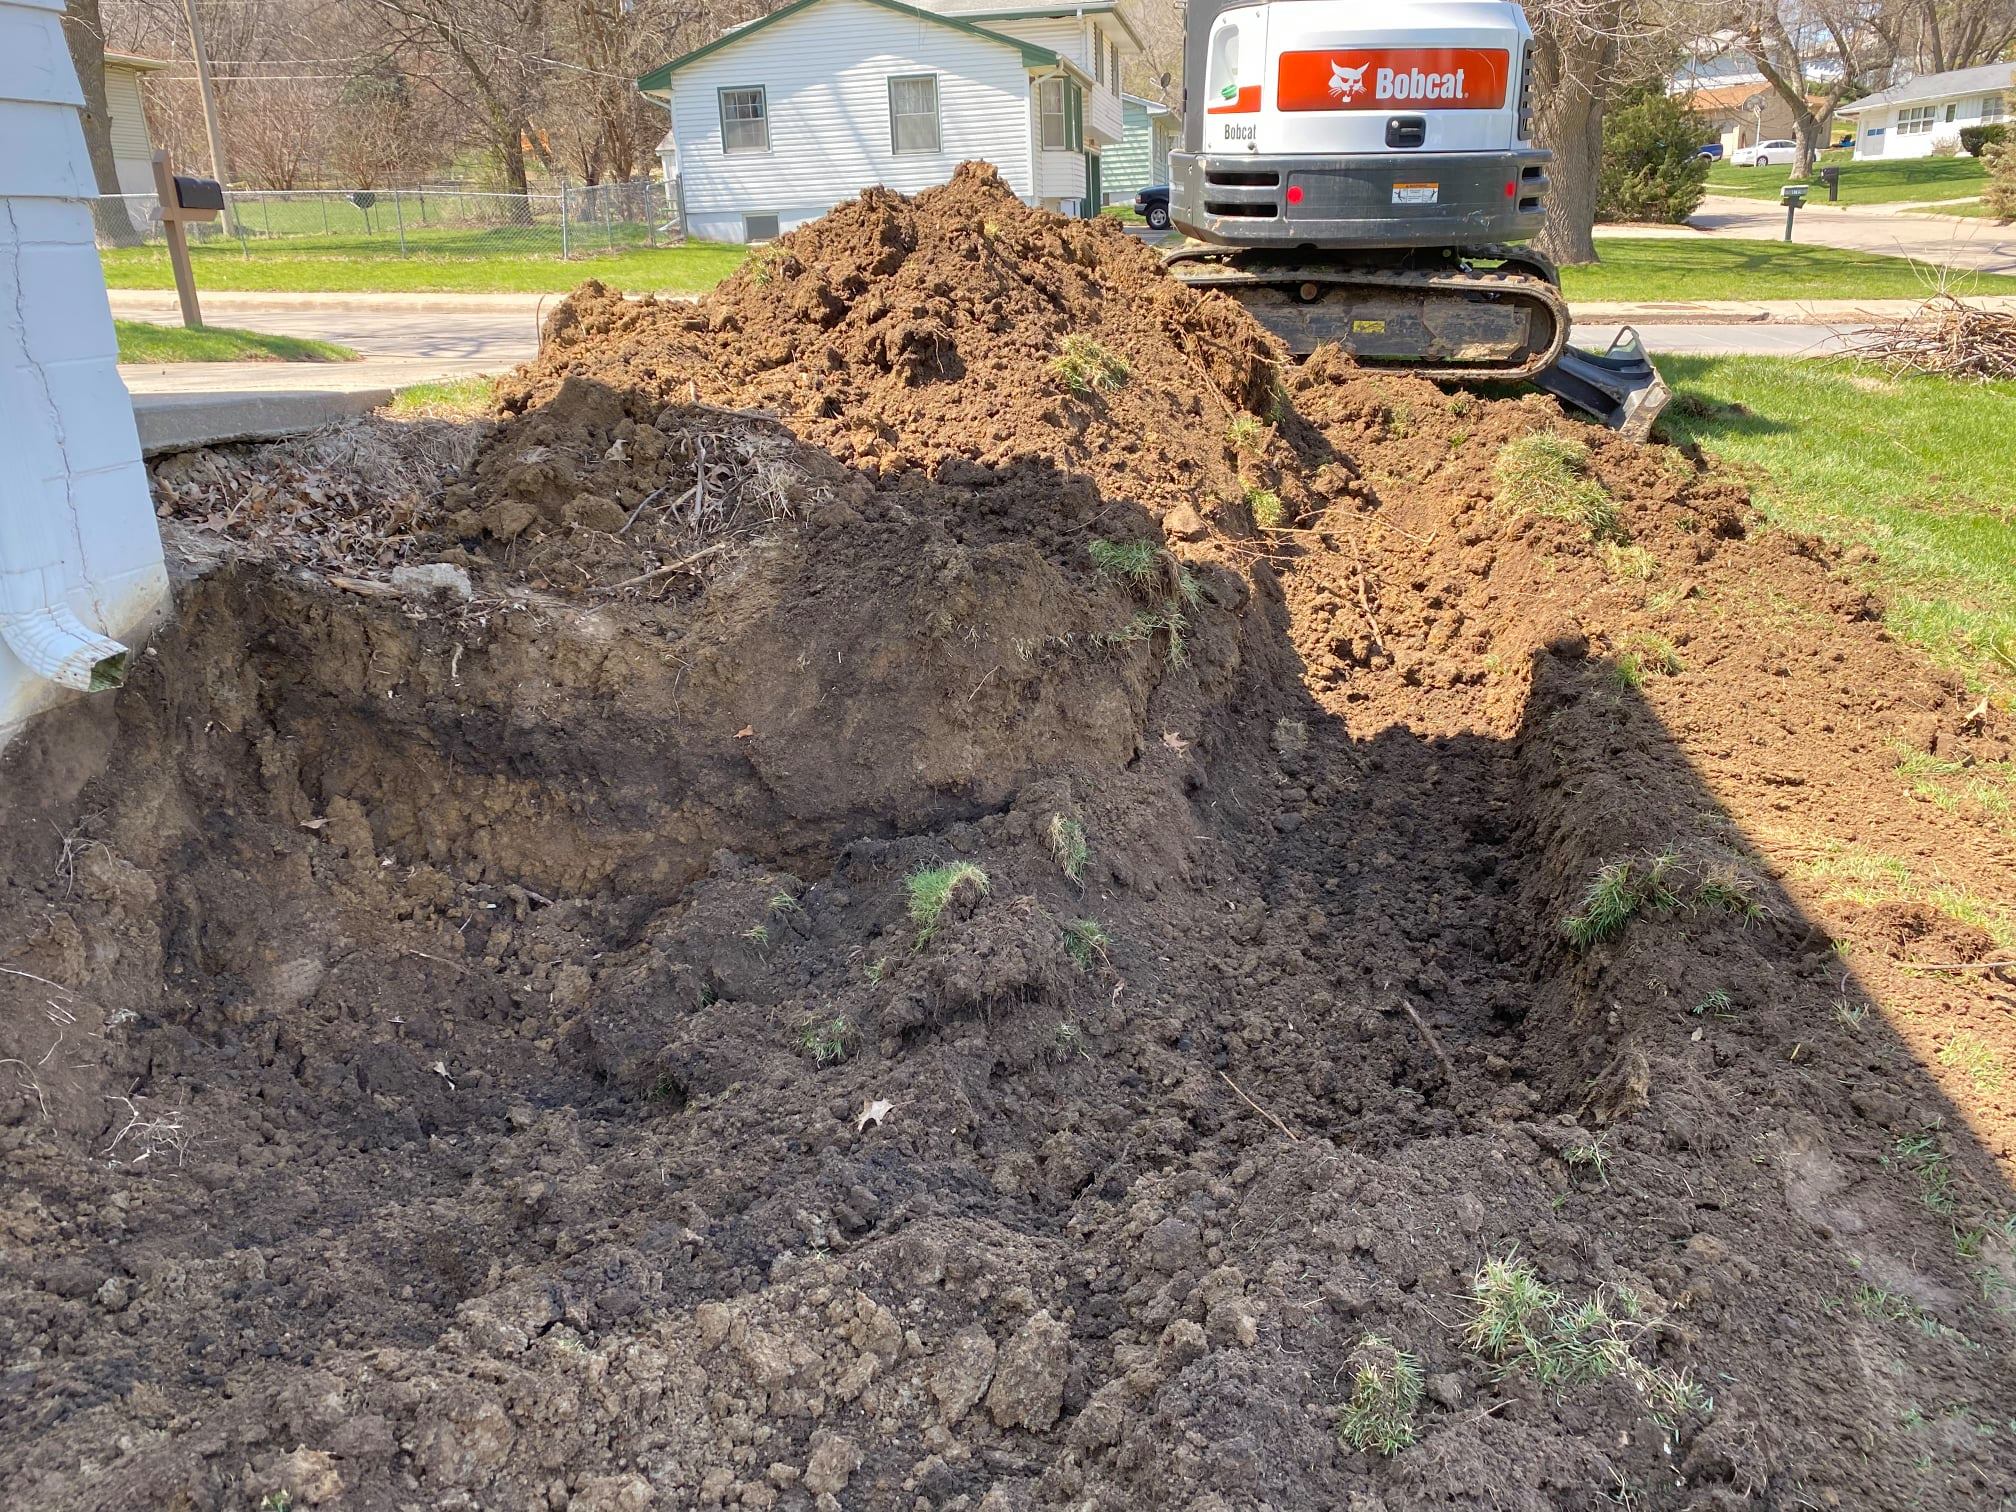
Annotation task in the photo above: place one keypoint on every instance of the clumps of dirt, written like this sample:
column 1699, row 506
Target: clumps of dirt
column 937, row 334
column 1013, row 985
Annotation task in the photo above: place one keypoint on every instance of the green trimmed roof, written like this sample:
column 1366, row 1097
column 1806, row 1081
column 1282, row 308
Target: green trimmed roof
column 661, row 76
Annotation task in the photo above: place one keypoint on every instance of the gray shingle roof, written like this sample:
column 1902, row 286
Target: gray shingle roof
column 1986, row 79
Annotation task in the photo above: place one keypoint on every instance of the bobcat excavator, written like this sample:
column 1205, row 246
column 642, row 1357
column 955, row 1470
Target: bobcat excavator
column 1363, row 171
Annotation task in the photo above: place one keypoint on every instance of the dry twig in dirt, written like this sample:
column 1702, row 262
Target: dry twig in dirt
column 1945, row 336
column 1293, row 1137
column 145, row 1135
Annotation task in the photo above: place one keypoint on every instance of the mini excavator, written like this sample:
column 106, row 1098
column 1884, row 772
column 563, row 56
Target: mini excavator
column 1363, row 172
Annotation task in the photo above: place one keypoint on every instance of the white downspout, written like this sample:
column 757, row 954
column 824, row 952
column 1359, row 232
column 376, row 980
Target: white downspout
column 35, row 621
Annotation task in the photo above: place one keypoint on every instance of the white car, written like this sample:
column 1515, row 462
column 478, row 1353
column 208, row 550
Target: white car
column 1764, row 154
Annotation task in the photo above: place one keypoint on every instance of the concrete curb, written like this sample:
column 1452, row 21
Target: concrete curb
column 183, row 422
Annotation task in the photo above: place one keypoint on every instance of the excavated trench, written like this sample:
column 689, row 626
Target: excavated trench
column 475, row 1048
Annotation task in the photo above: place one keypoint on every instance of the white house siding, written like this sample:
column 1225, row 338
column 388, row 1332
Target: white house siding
column 73, row 472
column 1060, row 176
column 1072, row 39
column 826, row 75
column 132, row 151
column 1877, row 134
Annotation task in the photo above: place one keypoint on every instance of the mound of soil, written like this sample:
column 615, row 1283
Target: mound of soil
column 485, row 1024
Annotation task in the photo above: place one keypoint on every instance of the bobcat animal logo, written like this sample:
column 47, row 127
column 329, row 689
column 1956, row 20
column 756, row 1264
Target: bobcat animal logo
column 1346, row 82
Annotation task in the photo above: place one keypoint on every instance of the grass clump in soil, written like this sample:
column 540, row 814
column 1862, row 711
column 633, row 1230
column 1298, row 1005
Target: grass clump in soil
column 1067, row 844
column 1168, row 620
column 826, row 1040
column 1385, row 1394
column 1084, row 366
column 1269, row 513
column 1546, row 474
column 931, row 889
column 141, row 342
column 1246, row 433
column 1853, row 873
column 1645, row 656
column 1618, row 893
column 1129, row 562
column 1085, row 941
column 1519, row 1322
column 1974, row 1058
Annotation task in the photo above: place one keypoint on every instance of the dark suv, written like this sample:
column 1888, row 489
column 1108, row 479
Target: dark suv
column 1152, row 205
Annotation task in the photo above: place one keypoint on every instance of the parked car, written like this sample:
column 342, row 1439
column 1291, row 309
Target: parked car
column 1710, row 150
column 1152, row 205
column 1764, row 154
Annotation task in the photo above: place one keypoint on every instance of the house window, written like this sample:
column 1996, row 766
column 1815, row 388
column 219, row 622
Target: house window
column 913, row 113
column 759, row 227
column 1051, row 117
column 1914, row 121
column 1098, row 55
column 1113, row 69
column 745, row 121
column 1993, row 108
column 1951, row 110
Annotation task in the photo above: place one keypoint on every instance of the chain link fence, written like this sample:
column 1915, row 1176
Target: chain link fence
column 441, row 221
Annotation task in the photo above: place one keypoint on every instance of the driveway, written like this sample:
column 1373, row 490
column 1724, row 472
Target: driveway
column 1951, row 241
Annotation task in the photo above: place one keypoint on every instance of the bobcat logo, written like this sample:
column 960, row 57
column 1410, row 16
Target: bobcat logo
column 1346, row 82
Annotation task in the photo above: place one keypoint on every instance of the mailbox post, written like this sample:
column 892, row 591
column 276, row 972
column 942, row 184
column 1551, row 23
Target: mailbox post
column 1794, row 196
column 184, row 199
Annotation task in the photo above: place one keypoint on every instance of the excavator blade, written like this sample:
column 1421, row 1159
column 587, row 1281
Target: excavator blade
column 1620, row 387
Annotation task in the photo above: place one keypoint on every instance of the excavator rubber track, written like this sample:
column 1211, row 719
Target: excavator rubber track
column 1455, row 323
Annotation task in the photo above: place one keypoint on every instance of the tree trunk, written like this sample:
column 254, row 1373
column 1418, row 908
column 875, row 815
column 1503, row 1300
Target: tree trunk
column 1571, row 76
column 86, row 35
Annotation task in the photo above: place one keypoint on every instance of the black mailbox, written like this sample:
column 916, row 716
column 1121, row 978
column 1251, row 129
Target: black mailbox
column 1831, row 177
column 198, row 198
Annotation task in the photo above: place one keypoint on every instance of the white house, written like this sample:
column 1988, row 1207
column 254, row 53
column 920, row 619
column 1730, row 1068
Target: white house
column 777, row 121
column 80, row 554
column 1909, row 120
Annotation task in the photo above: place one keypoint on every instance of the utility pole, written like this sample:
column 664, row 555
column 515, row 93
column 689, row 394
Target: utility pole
column 212, row 128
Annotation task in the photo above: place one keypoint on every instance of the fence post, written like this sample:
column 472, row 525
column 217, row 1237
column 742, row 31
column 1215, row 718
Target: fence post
column 563, row 218
column 325, row 214
column 399, row 216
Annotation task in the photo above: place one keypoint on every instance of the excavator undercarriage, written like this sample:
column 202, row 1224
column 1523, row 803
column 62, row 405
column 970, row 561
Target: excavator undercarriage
column 1486, row 314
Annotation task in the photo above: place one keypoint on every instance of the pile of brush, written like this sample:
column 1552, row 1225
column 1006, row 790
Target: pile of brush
column 1948, row 336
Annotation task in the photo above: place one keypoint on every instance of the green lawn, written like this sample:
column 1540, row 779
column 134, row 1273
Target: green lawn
column 141, row 342
column 1868, row 183
column 467, row 264
column 1656, row 268
column 1916, row 469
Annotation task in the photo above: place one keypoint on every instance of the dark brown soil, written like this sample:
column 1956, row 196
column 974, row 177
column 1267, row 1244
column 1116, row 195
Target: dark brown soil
column 470, row 1049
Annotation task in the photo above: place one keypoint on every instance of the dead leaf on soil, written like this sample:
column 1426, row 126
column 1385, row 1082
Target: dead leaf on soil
column 1175, row 742
column 747, row 732
column 874, row 1112
column 1976, row 717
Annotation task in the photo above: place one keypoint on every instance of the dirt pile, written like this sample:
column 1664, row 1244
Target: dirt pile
column 1002, row 985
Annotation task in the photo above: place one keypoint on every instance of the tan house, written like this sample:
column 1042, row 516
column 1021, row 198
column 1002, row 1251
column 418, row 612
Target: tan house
column 1742, row 115
column 132, row 144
